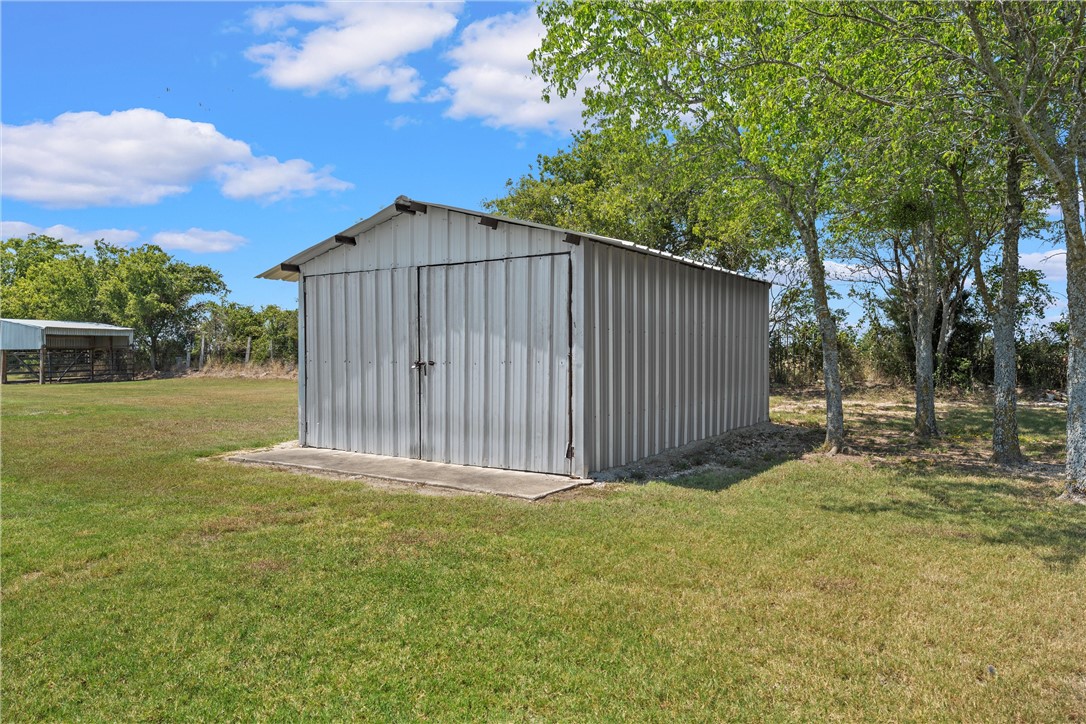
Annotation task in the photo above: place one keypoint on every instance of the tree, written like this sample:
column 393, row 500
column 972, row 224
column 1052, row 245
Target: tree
column 46, row 278
column 147, row 289
column 279, row 338
column 19, row 255
column 721, row 80
column 1021, row 65
column 636, row 187
column 61, row 288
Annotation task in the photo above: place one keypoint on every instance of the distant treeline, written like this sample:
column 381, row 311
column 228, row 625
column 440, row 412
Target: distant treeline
column 176, row 309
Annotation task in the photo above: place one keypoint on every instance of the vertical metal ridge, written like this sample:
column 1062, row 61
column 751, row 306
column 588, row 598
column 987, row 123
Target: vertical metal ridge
column 674, row 353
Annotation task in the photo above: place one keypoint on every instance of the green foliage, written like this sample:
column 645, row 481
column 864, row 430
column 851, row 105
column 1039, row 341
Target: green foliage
column 157, row 295
column 1042, row 356
column 18, row 256
column 46, row 278
column 65, row 287
column 161, row 298
column 271, row 333
column 638, row 187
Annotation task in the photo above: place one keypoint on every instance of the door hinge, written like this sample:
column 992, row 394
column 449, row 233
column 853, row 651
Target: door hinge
column 569, row 453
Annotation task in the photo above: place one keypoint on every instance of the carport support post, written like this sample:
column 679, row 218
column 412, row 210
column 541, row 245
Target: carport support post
column 41, row 365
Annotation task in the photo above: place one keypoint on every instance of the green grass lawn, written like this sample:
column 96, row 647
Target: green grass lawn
column 141, row 582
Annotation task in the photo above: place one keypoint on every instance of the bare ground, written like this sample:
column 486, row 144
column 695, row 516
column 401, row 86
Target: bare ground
column 878, row 424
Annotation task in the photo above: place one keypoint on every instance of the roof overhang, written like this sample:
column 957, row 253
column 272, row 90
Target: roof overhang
column 290, row 270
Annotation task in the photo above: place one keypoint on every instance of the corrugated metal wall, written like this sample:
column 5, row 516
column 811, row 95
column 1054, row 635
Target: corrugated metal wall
column 497, row 393
column 20, row 336
column 664, row 353
column 499, row 332
column 438, row 236
column 673, row 353
column 361, row 338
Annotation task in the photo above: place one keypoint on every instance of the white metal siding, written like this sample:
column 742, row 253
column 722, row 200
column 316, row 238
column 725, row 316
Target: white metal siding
column 20, row 336
column 673, row 353
column 360, row 336
column 436, row 237
column 360, row 311
column 663, row 353
column 499, row 336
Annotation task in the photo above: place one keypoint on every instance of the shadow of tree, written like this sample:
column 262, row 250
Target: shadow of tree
column 718, row 463
column 993, row 510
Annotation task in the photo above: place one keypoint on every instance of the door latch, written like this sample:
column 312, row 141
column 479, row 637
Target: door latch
column 420, row 365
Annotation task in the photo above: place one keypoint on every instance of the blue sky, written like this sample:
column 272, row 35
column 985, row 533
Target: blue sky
column 235, row 134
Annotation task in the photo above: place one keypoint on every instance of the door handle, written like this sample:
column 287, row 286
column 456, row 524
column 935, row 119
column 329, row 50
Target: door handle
column 420, row 365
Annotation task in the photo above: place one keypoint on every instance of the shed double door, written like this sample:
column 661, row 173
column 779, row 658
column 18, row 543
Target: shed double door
column 460, row 363
column 494, row 363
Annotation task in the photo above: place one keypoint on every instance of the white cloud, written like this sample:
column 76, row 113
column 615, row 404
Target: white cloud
column 21, row 229
column 402, row 121
column 141, row 156
column 839, row 272
column 199, row 240
column 196, row 240
column 493, row 78
column 1053, row 264
column 355, row 46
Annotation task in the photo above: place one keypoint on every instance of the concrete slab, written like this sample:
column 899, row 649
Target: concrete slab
column 510, row 483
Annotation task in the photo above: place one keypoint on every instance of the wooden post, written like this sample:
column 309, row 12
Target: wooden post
column 271, row 348
column 3, row 367
column 202, row 350
column 248, row 347
column 42, row 354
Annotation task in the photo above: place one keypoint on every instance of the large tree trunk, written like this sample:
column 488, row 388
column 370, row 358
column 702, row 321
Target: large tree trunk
column 1076, row 317
column 925, row 425
column 926, row 303
column 831, row 365
column 1005, row 447
column 1076, row 352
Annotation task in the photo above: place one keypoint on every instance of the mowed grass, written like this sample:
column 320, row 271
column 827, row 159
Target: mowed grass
column 141, row 582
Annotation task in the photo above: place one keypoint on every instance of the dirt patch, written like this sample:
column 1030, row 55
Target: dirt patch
column 744, row 451
column 835, row 586
column 267, row 565
column 257, row 516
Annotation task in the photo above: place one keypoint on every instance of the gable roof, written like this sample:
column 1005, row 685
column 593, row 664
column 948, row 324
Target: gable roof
column 403, row 202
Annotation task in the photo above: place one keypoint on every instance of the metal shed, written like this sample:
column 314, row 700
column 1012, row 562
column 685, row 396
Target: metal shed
column 46, row 350
column 432, row 332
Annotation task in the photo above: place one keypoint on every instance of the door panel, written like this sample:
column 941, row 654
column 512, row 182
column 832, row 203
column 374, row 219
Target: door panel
column 498, row 391
column 361, row 394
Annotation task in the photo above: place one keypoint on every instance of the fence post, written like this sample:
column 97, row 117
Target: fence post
column 3, row 367
column 248, row 347
column 42, row 355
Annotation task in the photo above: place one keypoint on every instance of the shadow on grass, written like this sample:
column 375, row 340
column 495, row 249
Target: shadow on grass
column 720, row 462
column 991, row 510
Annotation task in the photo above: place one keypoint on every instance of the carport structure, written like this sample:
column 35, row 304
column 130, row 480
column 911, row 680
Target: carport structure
column 44, row 350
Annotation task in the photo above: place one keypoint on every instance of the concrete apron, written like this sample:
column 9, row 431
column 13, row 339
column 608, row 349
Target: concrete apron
column 510, row 483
